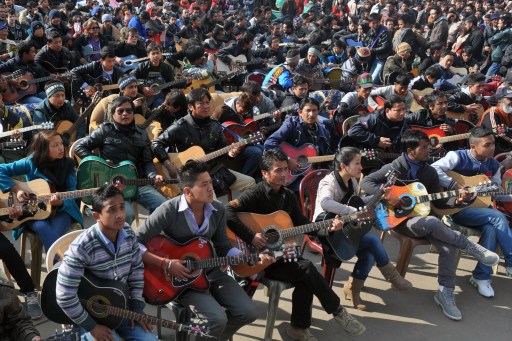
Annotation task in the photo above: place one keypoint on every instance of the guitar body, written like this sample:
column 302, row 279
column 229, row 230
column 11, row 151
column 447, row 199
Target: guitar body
column 380, row 103
column 200, row 83
column 159, row 288
column 169, row 191
column 222, row 67
column 507, row 184
column 11, row 94
column 335, row 75
column 180, row 159
column 316, row 80
column 128, row 64
column 242, row 130
column 389, row 217
column 418, row 106
column 267, row 224
column 478, row 201
column 434, row 133
column 91, row 289
column 62, row 127
column 300, row 154
column 33, row 209
column 93, row 172
column 345, row 243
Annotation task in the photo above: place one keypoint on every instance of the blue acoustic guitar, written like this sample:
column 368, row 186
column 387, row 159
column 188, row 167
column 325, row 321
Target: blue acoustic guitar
column 95, row 170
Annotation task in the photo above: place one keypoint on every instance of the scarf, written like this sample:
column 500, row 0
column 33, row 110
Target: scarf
column 57, row 172
column 125, row 129
column 414, row 167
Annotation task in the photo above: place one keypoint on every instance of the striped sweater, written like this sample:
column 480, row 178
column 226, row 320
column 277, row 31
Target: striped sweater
column 89, row 251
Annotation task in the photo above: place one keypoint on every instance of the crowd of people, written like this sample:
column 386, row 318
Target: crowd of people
column 142, row 82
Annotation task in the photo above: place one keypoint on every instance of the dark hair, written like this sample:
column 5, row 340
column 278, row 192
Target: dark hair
column 104, row 193
column 107, row 52
column 194, row 17
column 435, row 46
column 474, row 78
column 145, row 15
column 153, row 47
column 507, row 19
column 447, row 53
column 436, row 8
column 431, row 99
column 40, row 147
column 190, row 171
column 344, row 156
column 118, row 101
column 52, row 34
column 197, row 95
column 477, row 133
column 229, row 25
column 246, row 101
column 308, row 100
column 251, row 87
column 403, row 79
column 177, row 99
column 245, row 38
column 434, row 71
column 298, row 80
column 406, row 19
column 411, row 139
column 24, row 47
column 468, row 50
column 270, row 156
column 351, row 51
column 340, row 43
column 131, row 31
column 392, row 100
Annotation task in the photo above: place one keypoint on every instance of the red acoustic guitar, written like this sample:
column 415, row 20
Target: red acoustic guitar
column 507, row 184
column 160, row 288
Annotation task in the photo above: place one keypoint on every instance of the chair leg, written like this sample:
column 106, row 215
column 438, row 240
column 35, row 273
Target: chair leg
column 329, row 270
column 36, row 250
column 136, row 213
column 404, row 256
column 274, row 293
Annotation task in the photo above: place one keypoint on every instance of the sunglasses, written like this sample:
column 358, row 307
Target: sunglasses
column 121, row 111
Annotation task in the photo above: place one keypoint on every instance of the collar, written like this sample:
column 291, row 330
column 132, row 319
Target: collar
column 474, row 158
column 269, row 190
column 120, row 238
column 183, row 205
column 315, row 126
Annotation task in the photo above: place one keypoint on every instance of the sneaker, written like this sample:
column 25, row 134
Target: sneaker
column 349, row 323
column 300, row 334
column 446, row 299
column 481, row 254
column 483, row 286
column 32, row 305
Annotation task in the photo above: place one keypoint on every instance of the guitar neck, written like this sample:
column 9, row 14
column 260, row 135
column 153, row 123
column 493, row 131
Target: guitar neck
column 69, row 195
column 222, row 261
column 317, row 159
column 81, row 119
column 151, row 118
column 222, row 151
column 454, row 138
column 22, row 130
column 110, row 87
column 270, row 114
column 167, row 85
column 143, row 182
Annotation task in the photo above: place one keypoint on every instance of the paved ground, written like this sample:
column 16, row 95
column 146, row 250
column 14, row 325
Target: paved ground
column 392, row 315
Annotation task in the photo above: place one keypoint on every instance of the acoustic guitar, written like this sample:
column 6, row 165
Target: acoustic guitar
column 27, row 86
column 415, row 106
column 278, row 228
column 83, row 99
column 197, row 253
column 106, row 301
column 415, row 202
column 94, row 171
column 197, row 153
column 131, row 62
column 507, row 184
column 209, row 83
column 37, row 207
column 42, row 126
column 241, row 63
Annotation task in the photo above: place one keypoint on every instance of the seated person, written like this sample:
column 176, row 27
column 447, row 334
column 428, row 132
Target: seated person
column 273, row 53
column 400, row 88
column 10, row 121
column 398, row 63
column 295, row 94
column 122, row 140
column 492, row 223
column 469, row 100
column 282, row 74
column 433, row 115
column 311, row 66
column 132, row 46
column 195, row 65
column 54, row 57
column 500, row 113
column 270, row 196
column 445, row 62
column 108, row 250
column 350, row 69
column 356, row 102
column 466, row 60
column 427, row 79
column 195, row 213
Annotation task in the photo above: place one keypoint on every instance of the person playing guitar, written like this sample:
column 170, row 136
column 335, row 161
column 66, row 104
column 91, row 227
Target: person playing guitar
column 356, row 102
column 412, row 166
column 241, row 47
column 470, row 101
column 334, row 194
column 492, row 223
column 281, row 75
column 271, row 196
column 195, row 213
column 110, row 251
column 54, row 57
column 500, row 114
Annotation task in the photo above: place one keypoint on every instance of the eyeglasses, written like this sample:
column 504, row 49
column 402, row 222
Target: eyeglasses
column 121, row 111
column 95, row 28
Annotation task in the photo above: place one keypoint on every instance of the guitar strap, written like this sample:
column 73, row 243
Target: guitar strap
column 349, row 192
column 275, row 75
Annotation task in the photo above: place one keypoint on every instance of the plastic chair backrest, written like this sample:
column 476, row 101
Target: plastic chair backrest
column 308, row 189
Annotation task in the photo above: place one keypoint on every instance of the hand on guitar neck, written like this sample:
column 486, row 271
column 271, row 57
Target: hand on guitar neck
column 464, row 196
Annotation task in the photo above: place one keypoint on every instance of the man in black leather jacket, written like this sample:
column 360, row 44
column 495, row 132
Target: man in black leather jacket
column 123, row 140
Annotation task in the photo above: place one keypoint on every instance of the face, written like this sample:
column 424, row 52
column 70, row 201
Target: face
column 420, row 153
column 200, row 109
column 433, row 14
column 44, row 4
column 123, row 114
column 390, row 25
column 155, row 57
column 309, row 113
column 374, row 24
column 405, row 54
column 401, row 89
column 55, row 21
column 130, row 90
column 431, row 79
column 476, row 89
column 312, row 59
column 483, row 147
column 11, row 19
column 275, row 44
column 55, row 44
column 31, row 55
column 201, row 191
column 352, row 26
column 107, row 24
column 363, row 92
column 446, row 61
column 301, row 90
column 337, row 50
column 55, row 148
column 396, row 113
column 172, row 20
column 112, row 214
column 354, row 168
column 501, row 24
column 39, row 33
column 4, row 33
column 94, row 30
column 277, row 175
column 132, row 39
column 506, row 105
column 360, row 30
column 217, row 17
column 439, row 109
column 108, row 63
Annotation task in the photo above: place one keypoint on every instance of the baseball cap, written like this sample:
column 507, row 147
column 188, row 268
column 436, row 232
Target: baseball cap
column 364, row 80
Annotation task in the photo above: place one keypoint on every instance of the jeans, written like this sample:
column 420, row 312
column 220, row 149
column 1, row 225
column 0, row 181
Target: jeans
column 225, row 305
column 376, row 70
column 15, row 265
column 370, row 250
column 126, row 332
column 51, row 229
column 34, row 98
column 443, row 85
column 148, row 197
column 251, row 157
column 493, row 69
column 495, row 231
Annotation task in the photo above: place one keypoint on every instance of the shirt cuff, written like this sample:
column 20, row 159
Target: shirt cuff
column 234, row 252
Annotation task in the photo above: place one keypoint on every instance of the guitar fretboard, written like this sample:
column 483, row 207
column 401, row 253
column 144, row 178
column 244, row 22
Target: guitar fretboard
column 142, row 182
column 269, row 114
column 69, row 195
column 222, row 151
column 454, row 138
column 22, row 130
column 222, row 261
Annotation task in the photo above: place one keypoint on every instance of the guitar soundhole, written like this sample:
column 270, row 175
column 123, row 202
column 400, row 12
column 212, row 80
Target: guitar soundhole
column 405, row 202
column 302, row 162
column 274, row 240
column 119, row 180
column 97, row 306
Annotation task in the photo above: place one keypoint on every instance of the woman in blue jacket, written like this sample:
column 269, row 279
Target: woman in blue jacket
column 47, row 161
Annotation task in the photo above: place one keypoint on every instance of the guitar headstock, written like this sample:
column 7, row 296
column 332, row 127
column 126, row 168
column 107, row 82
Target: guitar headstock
column 47, row 125
column 500, row 130
column 486, row 188
column 66, row 335
column 368, row 153
column 255, row 138
column 14, row 144
column 288, row 252
column 391, row 178
column 201, row 331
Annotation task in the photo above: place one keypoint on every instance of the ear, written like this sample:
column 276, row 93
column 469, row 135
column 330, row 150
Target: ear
column 96, row 215
column 264, row 174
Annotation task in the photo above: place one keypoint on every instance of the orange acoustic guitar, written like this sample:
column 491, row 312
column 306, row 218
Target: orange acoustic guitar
column 507, row 184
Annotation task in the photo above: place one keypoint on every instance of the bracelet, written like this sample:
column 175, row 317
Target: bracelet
column 169, row 265
column 162, row 263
